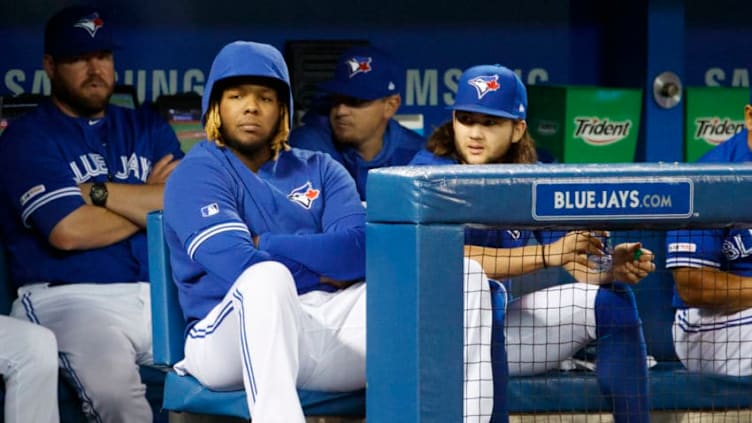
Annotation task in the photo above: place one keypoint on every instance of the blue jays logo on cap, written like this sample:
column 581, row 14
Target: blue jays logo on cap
column 77, row 30
column 378, row 75
column 484, row 84
column 508, row 101
column 304, row 195
column 359, row 64
column 90, row 23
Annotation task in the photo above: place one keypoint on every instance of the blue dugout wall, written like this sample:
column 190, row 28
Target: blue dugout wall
column 167, row 46
column 414, row 261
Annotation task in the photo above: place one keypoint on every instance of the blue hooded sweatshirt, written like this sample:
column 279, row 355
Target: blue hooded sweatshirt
column 301, row 209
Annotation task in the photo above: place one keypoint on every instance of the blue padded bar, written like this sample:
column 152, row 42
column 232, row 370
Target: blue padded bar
column 414, row 315
column 168, row 325
column 412, row 254
column 483, row 194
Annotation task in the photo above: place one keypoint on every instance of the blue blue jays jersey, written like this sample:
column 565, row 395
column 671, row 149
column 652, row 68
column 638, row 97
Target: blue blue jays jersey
column 303, row 207
column 728, row 250
column 44, row 155
column 734, row 150
column 400, row 145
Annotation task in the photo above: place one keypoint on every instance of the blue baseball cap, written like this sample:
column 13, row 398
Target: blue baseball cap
column 77, row 30
column 492, row 90
column 366, row 73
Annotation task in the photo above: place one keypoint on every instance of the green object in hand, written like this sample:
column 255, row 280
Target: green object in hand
column 637, row 253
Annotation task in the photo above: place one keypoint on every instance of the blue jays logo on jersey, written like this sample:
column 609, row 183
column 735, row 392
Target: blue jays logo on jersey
column 90, row 23
column 484, row 84
column 359, row 64
column 304, row 195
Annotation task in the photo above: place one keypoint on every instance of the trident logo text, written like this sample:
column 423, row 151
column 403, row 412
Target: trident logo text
column 596, row 131
column 715, row 131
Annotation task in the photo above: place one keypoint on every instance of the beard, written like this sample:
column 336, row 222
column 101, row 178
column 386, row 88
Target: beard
column 83, row 105
column 249, row 151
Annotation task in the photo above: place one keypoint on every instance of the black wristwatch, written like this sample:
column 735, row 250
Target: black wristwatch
column 98, row 194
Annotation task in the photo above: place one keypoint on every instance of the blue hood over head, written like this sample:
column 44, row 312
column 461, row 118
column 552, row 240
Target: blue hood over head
column 246, row 58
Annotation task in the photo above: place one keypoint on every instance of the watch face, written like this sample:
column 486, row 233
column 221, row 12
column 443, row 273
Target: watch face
column 98, row 194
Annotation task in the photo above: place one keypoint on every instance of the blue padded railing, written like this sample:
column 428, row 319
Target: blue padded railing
column 414, row 250
column 185, row 393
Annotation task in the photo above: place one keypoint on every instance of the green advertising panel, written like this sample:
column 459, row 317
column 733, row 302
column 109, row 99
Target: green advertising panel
column 713, row 115
column 585, row 124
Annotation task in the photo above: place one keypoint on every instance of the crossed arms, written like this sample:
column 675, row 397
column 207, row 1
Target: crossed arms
column 90, row 226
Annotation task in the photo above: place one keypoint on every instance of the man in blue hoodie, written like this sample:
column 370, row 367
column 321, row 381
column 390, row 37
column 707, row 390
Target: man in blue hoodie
column 267, row 246
column 362, row 99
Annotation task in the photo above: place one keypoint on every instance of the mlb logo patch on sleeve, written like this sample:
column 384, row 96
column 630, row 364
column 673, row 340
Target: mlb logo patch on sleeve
column 31, row 193
column 210, row 210
column 682, row 247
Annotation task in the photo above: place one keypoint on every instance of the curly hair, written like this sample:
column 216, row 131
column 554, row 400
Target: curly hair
column 441, row 143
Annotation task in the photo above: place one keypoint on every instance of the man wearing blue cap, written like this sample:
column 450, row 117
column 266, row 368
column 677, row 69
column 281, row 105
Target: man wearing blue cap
column 363, row 96
column 712, row 271
column 548, row 326
column 78, row 177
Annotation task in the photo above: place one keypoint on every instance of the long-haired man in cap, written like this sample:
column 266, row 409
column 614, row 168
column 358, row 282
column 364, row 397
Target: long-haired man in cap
column 547, row 326
column 78, row 176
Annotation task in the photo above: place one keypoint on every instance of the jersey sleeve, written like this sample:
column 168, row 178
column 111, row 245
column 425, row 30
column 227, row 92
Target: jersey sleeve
column 694, row 248
column 201, row 208
column 339, row 251
column 547, row 237
column 39, row 183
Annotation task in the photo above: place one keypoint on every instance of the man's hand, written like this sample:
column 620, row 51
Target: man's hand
column 162, row 169
column 573, row 248
column 632, row 262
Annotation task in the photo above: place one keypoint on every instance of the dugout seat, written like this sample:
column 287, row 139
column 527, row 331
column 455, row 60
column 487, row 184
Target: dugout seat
column 185, row 393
